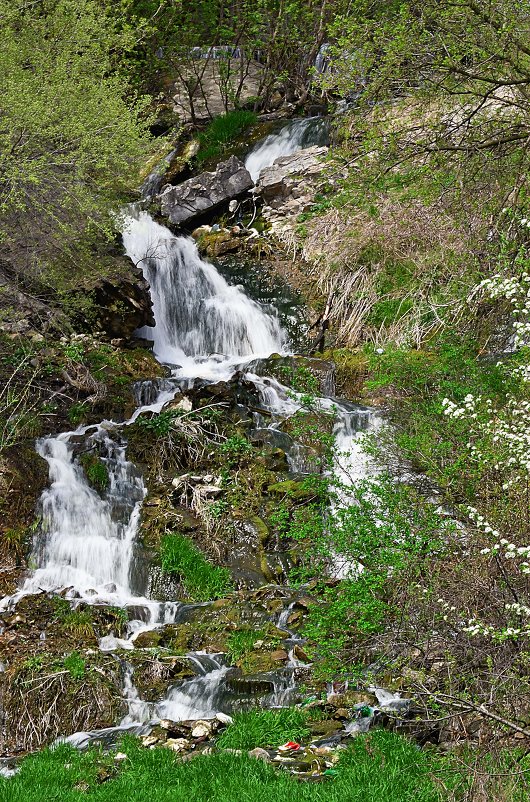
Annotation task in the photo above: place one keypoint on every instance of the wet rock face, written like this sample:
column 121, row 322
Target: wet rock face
column 204, row 193
column 124, row 305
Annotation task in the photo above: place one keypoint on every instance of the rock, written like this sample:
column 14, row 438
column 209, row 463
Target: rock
column 120, row 756
column 149, row 740
column 211, row 490
column 260, row 754
column 202, row 729
column 184, row 405
column 275, row 182
column 123, row 304
column 279, row 655
column 300, row 654
column 218, row 603
column 167, row 724
column 147, row 640
column 326, row 727
column 217, row 243
column 223, row 718
column 201, row 231
column 177, row 744
column 290, row 487
column 205, row 192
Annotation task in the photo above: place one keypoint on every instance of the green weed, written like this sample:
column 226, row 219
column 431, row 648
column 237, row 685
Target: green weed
column 222, row 131
column 95, row 471
column 240, row 642
column 201, row 580
column 75, row 665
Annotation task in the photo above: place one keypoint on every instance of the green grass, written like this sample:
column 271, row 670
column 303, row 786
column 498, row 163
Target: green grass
column 241, row 641
column 202, row 580
column 265, row 728
column 222, row 131
column 381, row 768
column 95, row 471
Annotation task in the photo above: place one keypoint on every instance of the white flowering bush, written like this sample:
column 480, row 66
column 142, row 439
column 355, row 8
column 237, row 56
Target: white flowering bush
column 497, row 439
column 512, row 283
column 508, row 567
column 500, row 435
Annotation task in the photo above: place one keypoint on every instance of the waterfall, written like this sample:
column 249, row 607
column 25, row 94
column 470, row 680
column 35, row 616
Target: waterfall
column 86, row 539
column 203, row 325
column 205, row 328
column 295, row 135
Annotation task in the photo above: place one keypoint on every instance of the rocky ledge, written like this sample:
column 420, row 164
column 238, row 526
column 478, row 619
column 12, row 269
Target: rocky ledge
column 205, row 192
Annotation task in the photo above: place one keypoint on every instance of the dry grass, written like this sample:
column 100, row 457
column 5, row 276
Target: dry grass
column 39, row 706
column 350, row 255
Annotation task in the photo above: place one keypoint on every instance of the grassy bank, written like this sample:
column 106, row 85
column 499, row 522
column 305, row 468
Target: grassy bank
column 381, row 768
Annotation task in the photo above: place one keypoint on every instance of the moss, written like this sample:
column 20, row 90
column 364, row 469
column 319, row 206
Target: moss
column 352, row 370
column 298, row 491
column 95, row 470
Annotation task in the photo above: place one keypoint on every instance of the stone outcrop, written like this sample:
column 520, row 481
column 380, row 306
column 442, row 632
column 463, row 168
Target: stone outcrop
column 204, row 193
column 287, row 178
column 124, row 304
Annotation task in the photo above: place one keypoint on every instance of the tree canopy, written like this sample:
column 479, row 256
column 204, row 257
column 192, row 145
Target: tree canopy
column 70, row 128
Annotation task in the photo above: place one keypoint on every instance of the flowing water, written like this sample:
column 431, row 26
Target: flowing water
column 292, row 136
column 205, row 329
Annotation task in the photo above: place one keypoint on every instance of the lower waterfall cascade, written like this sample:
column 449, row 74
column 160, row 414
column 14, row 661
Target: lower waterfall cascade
column 205, row 329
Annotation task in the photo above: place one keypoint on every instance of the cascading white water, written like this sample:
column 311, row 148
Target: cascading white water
column 205, row 328
column 203, row 325
column 200, row 697
column 86, row 539
column 351, row 463
column 294, row 135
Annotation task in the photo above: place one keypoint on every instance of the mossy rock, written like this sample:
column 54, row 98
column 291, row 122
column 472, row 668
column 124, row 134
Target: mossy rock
column 217, row 243
column 154, row 675
column 95, row 470
column 291, row 488
column 352, row 371
column 147, row 640
column 258, row 662
column 326, row 727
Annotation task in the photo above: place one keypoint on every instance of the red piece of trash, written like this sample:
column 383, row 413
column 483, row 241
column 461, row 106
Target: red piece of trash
column 292, row 746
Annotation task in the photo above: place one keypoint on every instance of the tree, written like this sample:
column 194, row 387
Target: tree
column 71, row 133
column 273, row 41
column 474, row 55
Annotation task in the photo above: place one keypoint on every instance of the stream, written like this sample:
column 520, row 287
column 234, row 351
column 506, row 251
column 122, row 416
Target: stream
column 207, row 330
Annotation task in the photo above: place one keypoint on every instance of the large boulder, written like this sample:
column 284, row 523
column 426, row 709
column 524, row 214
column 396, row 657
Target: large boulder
column 288, row 176
column 205, row 192
column 123, row 302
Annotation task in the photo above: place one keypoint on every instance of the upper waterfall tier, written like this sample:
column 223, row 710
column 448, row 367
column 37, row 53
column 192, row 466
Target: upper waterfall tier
column 294, row 135
column 201, row 321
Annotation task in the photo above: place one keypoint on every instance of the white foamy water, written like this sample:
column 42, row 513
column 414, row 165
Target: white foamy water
column 295, row 135
column 203, row 325
column 87, row 544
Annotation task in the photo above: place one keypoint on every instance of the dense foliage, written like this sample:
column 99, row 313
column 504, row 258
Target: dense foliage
column 71, row 133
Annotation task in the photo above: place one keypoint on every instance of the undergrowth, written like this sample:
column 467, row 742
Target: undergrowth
column 201, row 580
